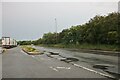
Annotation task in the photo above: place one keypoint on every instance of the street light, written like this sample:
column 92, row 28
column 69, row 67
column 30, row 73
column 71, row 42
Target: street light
column 56, row 28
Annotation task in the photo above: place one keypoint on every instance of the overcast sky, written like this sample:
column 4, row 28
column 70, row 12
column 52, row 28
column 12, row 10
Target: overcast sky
column 0, row 19
column 30, row 20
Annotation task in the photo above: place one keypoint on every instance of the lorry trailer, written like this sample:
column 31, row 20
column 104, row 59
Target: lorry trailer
column 8, row 42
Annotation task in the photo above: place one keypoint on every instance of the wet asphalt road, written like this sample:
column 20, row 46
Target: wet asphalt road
column 17, row 64
column 87, row 59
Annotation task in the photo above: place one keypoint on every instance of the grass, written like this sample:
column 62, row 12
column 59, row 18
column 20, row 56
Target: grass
column 86, row 46
column 30, row 50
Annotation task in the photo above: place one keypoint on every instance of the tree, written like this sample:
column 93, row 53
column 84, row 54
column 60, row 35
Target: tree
column 98, row 30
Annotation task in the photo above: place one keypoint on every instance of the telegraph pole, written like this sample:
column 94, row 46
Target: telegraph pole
column 56, row 28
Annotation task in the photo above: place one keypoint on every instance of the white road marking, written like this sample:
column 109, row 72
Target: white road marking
column 79, row 67
column 63, row 67
column 93, row 70
column 23, row 52
column 33, row 56
column 44, row 59
column 54, row 68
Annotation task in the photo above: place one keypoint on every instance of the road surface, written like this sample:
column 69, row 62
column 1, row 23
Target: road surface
column 0, row 63
column 18, row 64
column 89, row 60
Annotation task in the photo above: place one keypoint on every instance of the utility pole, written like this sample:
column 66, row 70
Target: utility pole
column 56, row 28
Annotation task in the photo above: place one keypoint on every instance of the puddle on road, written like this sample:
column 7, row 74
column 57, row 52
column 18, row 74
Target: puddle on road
column 116, row 75
column 101, row 66
column 106, row 68
column 88, row 59
column 93, row 60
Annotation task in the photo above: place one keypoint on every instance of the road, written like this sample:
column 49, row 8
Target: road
column 0, row 63
column 89, row 60
column 18, row 64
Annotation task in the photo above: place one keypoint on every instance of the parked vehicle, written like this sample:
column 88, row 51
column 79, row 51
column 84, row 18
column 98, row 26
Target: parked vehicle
column 8, row 42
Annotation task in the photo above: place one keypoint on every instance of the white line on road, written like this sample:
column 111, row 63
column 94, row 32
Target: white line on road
column 63, row 67
column 33, row 56
column 44, row 59
column 54, row 68
column 93, row 70
column 23, row 52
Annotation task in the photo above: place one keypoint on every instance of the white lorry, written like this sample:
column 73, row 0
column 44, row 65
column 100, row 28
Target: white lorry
column 8, row 42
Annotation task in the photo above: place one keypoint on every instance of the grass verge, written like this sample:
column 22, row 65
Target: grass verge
column 86, row 46
column 30, row 50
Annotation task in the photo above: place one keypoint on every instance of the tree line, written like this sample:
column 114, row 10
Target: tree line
column 98, row 30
